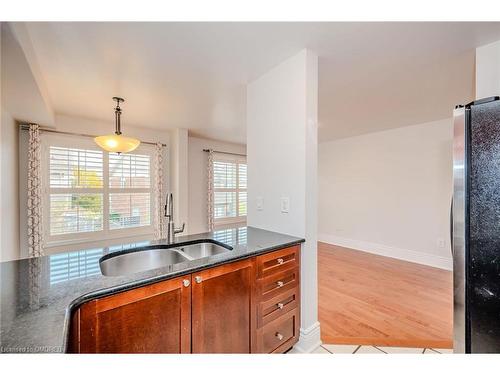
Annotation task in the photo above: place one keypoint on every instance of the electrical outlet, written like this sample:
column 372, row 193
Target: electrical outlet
column 285, row 205
column 441, row 243
column 260, row 203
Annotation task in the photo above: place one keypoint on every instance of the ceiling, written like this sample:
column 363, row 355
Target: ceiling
column 372, row 76
column 20, row 95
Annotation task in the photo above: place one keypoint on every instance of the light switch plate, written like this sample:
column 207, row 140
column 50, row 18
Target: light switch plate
column 260, row 203
column 285, row 205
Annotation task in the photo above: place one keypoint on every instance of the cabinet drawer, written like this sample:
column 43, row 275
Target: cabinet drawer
column 271, row 286
column 278, row 261
column 280, row 334
column 278, row 306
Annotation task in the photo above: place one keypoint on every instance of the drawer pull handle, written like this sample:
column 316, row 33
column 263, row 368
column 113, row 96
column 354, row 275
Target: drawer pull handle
column 198, row 279
column 279, row 336
column 280, row 284
column 280, row 306
column 186, row 282
column 280, row 260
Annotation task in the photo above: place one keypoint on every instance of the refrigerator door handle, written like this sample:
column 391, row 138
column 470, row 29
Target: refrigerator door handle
column 457, row 229
column 451, row 227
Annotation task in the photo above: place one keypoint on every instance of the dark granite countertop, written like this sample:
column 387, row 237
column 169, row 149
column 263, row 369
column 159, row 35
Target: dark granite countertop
column 37, row 295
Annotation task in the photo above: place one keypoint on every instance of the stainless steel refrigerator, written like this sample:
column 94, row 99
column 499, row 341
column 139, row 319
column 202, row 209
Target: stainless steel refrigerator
column 475, row 227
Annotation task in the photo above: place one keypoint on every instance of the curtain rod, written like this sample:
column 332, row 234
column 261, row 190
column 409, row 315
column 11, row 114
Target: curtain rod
column 26, row 127
column 223, row 152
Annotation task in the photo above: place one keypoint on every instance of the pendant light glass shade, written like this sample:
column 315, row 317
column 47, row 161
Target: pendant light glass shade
column 117, row 142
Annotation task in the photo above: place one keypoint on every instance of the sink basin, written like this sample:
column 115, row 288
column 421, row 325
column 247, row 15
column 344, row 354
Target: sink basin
column 202, row 250
column 138, row 261
column 143, row 260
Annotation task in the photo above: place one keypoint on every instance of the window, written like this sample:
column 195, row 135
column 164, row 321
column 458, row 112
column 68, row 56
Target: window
column 90, row 194
column 130, row 196
column 230, row 189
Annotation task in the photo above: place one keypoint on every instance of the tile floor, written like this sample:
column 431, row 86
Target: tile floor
column 362, row 349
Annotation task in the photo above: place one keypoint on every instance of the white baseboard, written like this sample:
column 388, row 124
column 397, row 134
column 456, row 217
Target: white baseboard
column 389, row 251
column 309, row 339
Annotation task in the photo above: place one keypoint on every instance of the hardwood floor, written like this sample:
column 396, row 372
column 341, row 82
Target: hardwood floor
column 367, row 299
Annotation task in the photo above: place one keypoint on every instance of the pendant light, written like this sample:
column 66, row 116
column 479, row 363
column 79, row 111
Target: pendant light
column 117, row 142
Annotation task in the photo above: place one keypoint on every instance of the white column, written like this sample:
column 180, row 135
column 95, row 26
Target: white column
column 179, row 180
column 282, row 114
column 488, row 70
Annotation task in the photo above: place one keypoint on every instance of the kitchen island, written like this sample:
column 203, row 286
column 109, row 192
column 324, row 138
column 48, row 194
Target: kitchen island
column 39, row 296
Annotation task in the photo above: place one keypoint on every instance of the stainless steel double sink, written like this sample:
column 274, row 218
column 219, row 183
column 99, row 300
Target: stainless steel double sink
column 146, row 259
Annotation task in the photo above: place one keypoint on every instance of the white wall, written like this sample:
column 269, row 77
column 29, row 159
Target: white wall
column 281, row 154
column 389, row 192
column 198, row 179
column 9, row 205
column 21, row 100
column 179, row 177
column 21, row 96
column 488, row 70
column 18, row 88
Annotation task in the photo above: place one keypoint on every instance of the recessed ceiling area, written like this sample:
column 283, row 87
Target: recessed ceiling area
column 372, row 76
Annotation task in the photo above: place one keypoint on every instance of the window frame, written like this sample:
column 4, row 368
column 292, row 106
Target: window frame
column 81, row 142
column 236, row 159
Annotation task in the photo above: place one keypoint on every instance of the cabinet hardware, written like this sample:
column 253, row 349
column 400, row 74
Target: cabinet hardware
column 186, row 282
column 280, row 284
column 198, row 279
column 279, row 336
column 280, row 306
column 280, row 260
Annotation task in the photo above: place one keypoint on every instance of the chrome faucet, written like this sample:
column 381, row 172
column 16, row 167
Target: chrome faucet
column 169, row 213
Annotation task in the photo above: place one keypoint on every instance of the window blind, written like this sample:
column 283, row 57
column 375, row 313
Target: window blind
column 71, row 168
column 229, row 190
column 129, row 171
column 91, row 194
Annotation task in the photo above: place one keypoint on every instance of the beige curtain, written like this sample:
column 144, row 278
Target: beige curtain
column 159, row 194
column 35, row 232
column 210, row 191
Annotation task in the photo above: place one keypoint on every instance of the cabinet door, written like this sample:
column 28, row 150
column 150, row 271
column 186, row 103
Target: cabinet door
column 151, row 319
column 222, row 308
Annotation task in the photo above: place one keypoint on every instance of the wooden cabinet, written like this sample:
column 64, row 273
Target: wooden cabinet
column 279, row 335
column 278, row 300
column 247, row 306
column 222, row 308
column 278, row 261
column 151, row 319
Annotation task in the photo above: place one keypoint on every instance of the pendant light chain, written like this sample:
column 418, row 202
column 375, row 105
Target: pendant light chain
column 118, row 114
column 117, row 142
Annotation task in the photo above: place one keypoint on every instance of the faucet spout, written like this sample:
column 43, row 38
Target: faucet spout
column 180, row 230
column 169, row 207
column 169, row 213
